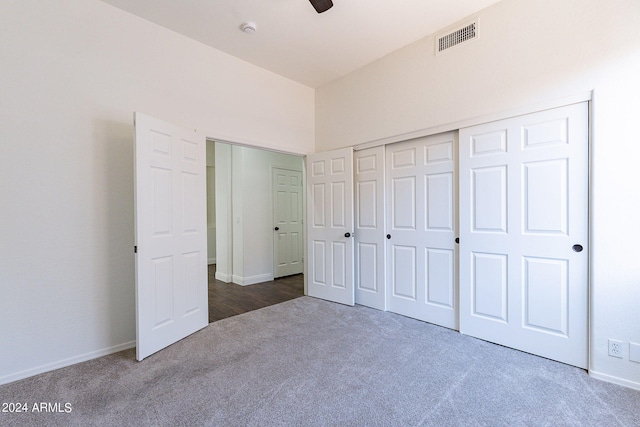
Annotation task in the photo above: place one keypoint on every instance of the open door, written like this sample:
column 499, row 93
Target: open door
column 330, row 225
column 170, row 234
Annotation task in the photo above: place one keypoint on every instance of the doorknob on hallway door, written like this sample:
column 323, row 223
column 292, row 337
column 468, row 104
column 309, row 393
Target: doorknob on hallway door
column 347, row 234
column 277, row 228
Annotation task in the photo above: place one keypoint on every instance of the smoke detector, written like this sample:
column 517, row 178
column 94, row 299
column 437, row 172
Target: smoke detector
column 248, row 27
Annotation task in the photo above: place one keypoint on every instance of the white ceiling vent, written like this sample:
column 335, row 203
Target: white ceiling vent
column 461, row 35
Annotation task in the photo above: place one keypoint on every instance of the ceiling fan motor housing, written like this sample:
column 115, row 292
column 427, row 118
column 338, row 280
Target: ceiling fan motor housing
column 321, row 5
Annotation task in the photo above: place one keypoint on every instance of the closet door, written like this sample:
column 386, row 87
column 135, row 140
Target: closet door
column 421, row 226
column 370, row 236
column 330, row 225
column 524, row 233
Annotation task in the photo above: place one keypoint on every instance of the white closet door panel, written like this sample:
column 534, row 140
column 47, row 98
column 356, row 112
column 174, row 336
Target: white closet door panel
column 330, row 226
column 523, row 207
column 370, row 255
column 421, row 226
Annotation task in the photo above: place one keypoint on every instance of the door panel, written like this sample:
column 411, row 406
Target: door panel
column 287, row 214
column 421, row 217
column 523, row 205
column 170, row 235
column 370, row 222
column 330, row 182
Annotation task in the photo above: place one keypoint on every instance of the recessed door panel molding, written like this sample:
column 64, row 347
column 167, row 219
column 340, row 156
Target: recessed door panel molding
column 162, row 203
column 370, row 256
column 489, row 285
column 435, row 153
column 319, row 257
column 163, row 282
column 545, row 184
column 339, row 261
column 421, row 229
column 338, row 202
column 170, row 234
column 366, row 202
column 523, row 207
column 439, row 201
column 489, row 195
column 318, row 195
column 546, row 289
column 190, row 214
column 191, row 277
column 404, row 267
column 330, row 273
column 403, row 195
column 367, row 163
column 440, row 265
column 538, row 135
column 366, row 261
column 403, row 158
column 490, row 143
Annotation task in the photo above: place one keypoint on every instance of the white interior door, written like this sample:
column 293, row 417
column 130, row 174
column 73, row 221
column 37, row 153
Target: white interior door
column 330, row 225
column 370, row 237
column 524, row 233
column 170, row 234
column 421, row 226
column 287, row 215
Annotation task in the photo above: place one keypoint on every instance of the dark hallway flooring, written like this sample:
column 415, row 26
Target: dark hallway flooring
column 229, row 299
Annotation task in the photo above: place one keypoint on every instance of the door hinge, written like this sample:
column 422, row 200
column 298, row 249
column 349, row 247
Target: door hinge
column 135, row 249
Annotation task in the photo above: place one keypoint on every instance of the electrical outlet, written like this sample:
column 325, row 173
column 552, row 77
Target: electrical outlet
column 615, row 348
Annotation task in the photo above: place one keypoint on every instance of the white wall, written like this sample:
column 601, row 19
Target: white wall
column 224, row 214
column 72, row 74
column 251, row 211
column 529, row 51
column 211, row 202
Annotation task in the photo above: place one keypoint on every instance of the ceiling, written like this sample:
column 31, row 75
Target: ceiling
column 296, row 42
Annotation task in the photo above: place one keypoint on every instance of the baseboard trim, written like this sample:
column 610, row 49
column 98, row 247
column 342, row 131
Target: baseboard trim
column 252, row 280
column 65, row 362
column 615, row 380
column 226, row 278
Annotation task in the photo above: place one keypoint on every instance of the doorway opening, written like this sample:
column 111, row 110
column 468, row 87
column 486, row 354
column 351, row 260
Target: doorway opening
column 254, row 235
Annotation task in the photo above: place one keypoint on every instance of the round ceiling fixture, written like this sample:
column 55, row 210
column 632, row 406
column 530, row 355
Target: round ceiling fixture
column 248, row 27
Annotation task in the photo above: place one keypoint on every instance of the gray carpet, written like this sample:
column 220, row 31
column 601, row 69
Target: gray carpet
column 308, row 362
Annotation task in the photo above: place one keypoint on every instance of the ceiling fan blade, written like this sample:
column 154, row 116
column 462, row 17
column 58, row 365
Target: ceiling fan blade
column 321, row 5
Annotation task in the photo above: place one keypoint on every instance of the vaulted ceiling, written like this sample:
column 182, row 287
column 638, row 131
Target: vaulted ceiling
column 296, row 42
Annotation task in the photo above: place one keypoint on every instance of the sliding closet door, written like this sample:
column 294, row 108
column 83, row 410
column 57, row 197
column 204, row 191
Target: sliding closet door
column 330, row 225
column 524, row 233
column 369, row 238
column 421, row 225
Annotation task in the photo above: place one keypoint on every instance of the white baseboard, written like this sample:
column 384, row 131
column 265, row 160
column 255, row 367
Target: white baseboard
column 211, row 261
column 615, row 380
column 251, row 280
column 65, row 362
column 226, row 278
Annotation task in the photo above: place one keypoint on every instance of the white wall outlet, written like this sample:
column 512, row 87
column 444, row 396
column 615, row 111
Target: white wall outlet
column 634, row 352
column 615, row 348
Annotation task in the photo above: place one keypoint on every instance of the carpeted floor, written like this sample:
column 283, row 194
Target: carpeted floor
column 308, row 362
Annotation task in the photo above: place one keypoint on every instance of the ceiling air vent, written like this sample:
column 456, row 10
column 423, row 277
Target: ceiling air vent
column 455, row 38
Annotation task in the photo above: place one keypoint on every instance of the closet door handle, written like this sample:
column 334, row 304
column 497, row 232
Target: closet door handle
column 347, row 234
column 388, row 236
column 277, row 228
column 457, row 240
column 577, row 248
